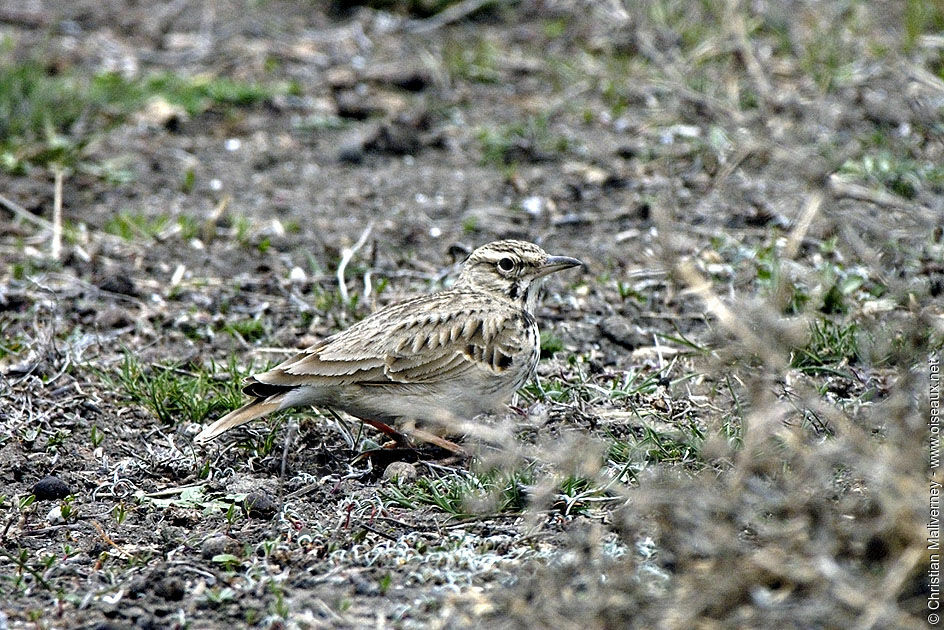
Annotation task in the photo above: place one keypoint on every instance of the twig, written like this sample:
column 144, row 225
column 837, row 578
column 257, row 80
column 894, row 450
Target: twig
column 844, row 189
column 173, row 490
column 208, row 231
column 452, row 14
column 483, row 518
column 107, row 539
column 895, row 578
column 25, row 17
column 164, row 18
column 24, row 214
column 289, row 438
column 802, row 226
column 924, row 77
column 733, row 164
column 738, row 30
column 57, row 216
column 729, row 318
column 374, row 530
column 303, row 491
column 6, row 528
column 346, row 255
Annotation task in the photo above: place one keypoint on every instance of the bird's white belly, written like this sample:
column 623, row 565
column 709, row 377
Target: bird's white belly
column 432, row 403
column 442, row 403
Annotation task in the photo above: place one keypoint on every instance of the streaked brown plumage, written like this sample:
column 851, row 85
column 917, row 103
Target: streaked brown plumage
column 432, row 359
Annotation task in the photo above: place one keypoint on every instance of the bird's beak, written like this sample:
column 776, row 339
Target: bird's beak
column 557, row 263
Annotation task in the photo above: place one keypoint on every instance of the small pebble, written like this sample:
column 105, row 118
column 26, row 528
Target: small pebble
column 533, row 205
column 217, row 545
column 622, row 331
column 351, row 154
column 137, row 586
column 112, row 317
column 170, row 588
column 118, row 283
column 400, row 472
column 259, row 505
column 55, row 516
column 365, row 587
column 297, row 275
column 51, row 487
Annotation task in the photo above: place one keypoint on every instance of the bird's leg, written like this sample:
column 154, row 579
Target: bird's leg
column 384, row 428
column 387, row 430
column 432, row 438
column 400, row 438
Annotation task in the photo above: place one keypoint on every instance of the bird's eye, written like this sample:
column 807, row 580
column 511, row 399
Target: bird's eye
column 506, row 264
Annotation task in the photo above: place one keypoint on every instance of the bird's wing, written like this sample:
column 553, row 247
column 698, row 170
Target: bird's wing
column 424, row 340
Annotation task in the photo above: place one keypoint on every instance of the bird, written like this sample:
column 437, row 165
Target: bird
column 427, row 361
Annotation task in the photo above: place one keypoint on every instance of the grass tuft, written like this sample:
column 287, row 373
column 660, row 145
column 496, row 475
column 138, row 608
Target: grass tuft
column 177, row 395
column 529, row 140
column 48, row 118
column 465, row 495
column 831, row 346
column 897, row 174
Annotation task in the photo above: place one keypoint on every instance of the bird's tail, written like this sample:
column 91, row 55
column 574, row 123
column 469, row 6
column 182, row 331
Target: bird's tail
column 247, row 413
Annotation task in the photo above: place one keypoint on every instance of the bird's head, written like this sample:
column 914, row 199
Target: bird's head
column 512, row 270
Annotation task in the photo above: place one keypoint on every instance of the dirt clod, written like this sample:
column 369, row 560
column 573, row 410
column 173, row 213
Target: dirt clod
column 50, row 488
column 118, row 283
column 170, row 588
column 112, row 317
column 260, row 505
column 217, row 545
column 620, row 330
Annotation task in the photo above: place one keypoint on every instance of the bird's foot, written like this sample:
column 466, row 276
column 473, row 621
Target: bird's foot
column 400, row 449
column 435, row 440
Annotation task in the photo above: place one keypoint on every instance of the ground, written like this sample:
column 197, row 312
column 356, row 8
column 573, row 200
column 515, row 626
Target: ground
column 731, row 421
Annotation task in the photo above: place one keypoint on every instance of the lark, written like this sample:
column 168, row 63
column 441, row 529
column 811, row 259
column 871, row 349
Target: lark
column 427, row 361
